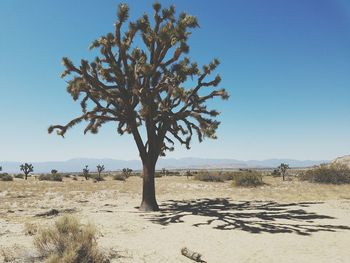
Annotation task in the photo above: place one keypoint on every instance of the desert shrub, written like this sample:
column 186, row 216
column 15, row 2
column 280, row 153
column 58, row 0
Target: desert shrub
column 69, row 241
column 328, row 174
column 6, row 177
column 3, row 174
column 248, row 178
column 173, row 173
column 75, row 178
column 119, row 177
column 208, row 177
column 227, row 176
column 50, row 177
column 19, row 176
column 276, row 173
column 158, row 174
column 97, row 177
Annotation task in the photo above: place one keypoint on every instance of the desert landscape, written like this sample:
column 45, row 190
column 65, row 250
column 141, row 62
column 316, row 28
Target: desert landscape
column 280, row 221
column 178, row 131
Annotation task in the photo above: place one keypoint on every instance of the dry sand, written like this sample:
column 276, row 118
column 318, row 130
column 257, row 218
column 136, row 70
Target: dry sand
column 288, row 221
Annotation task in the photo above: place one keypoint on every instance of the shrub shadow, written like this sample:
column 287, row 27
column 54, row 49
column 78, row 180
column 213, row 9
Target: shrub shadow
column 249, row 216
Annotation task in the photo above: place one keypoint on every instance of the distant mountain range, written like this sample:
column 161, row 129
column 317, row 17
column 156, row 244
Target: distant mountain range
column 76, row 165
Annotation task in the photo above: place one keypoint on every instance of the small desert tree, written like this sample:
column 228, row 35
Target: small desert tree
column 86, row 172
column 152, row 85
column 165, row 172
column 283, row 169
column 26, row 168
column 100, row 169
column 127, row 172
column 54, row 171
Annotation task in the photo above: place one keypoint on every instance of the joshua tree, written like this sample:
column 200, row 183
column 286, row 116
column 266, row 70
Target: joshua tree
column 153, row 85
column 127, row 172
column 27, row 168
column 283, row 169
column 100, row 169
column 54, row 172
column 86, row 172
column 188, row 173
column 165, row 172
column 0, row 168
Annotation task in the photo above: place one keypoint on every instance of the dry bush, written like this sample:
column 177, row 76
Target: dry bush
column 68, row 241
column 158, row 174
column 208, row 177
column 248, row 178
column 50, row 177
column 328, row 174
column 97, row 177
column 119, row 177
column 19, row 176
column 6, row 177
column 227, row 176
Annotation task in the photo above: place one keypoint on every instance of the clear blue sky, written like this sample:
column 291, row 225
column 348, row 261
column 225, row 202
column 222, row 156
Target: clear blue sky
column 285, row 63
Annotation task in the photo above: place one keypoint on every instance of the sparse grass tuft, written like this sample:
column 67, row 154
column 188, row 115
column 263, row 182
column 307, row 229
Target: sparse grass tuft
column 248, row 178
column 69, row 241
column 7, row 255
column 327, row 174
column 30, row 228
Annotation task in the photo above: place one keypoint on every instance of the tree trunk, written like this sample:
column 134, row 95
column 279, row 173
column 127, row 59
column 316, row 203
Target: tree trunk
column 26, row 176
column 149, row 202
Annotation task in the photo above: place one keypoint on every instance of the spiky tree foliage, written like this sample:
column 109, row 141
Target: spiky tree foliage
column 283, row 169
column 154, row 85
column 54, row 171
column 100, row 169
column 27, row 168
column 127, row 172
column 86, row 172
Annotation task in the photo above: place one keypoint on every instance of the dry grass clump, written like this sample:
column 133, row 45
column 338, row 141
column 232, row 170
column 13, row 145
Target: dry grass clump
column 30, row 228
column 19, row 176
column 97, row 178
column 208, row 177
column 6, row 177
column 248, row 178
column 7, row 255
column 119, row 177
column 68, row 241
column 50, row 177
column 327, row 174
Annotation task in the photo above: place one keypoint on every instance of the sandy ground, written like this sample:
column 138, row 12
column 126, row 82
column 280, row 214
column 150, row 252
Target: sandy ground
column 288, row 221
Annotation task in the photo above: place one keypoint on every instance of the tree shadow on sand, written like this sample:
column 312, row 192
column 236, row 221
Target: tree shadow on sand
column 250, row 216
